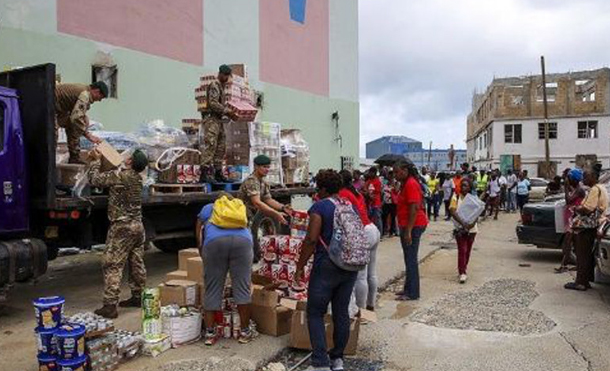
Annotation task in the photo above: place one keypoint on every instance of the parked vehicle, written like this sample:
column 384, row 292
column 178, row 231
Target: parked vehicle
column 35, row 220
column 538, row 191
column 537, row 227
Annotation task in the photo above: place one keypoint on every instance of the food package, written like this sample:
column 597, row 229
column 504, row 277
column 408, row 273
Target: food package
column 244, row 111
column 298, row 223
column 183, row 325
column 154, row 347
column 295, row 157
column 103, row 353
column 155, row 137
column 151, row 313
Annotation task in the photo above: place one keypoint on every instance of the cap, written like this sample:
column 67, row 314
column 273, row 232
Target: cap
column 102, row 87
column 140, row 160
column 225, row 70
column 262, row 160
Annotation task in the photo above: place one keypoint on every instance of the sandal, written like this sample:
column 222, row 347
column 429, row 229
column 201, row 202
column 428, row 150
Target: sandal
column 405, row 298
column 562, row 269
column 575, row 286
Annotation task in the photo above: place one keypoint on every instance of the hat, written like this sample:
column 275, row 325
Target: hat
column 575, row 174
column 225, row 70
column 102, row 87
column 262, row 160
column 139, row 160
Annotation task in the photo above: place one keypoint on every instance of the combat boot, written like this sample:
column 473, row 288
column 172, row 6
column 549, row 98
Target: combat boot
column 134, row 302
column 107, row 311
column 220, row 177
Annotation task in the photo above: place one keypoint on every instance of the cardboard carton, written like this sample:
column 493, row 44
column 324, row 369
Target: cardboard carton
column 180, row 292
column 184, row 256
column 194, row 269
column 271, row 318
column 111, row 159
column 299, row 333
column 176, row 275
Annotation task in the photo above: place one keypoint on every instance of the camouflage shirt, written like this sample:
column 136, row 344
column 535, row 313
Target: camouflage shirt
column 253, row 186
column 73, row 100
column 125, row 199
column 217, row 105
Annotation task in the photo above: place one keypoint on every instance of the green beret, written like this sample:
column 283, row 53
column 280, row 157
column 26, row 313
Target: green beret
column 101, row 86
column 139, row 160
column 262, row 160
column 225, row 70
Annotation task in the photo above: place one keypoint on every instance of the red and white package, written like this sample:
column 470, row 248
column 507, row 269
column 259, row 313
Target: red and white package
column 188, row 173
column 292, row 269
column 295, row 246
column 282, row 244
column 284, row 273
column 196, row 173
column 181, row 175
column 265, row 271
column 267, row 244
column 276, row 271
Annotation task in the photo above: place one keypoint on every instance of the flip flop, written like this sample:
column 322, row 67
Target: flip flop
column 561, row 269
column 575, row 286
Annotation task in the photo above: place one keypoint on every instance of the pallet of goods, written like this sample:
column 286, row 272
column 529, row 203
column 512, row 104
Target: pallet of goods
column 295, row 157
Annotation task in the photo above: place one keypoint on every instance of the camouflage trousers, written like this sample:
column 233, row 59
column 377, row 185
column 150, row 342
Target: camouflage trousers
column 72, row 134
column 124, row 246
column 214, row 144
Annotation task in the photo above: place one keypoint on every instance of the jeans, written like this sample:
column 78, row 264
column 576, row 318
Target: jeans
column 511, row 201
column 328, row 284
column 411, row 287
column 375, row 215
column 433, row 203
column 366, row 283
column 388, row 219
column 464, row 244
column 584, row 242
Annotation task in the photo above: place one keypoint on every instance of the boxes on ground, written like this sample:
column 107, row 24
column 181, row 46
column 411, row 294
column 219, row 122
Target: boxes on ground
column 180, row 292
column 271, row 318
column 176, row 275
column 299, row 333
column 185, row 255
column 194, row 269
column 154, row 347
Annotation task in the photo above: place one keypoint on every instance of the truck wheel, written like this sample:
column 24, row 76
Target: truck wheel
column 262, row 225
column 174, row 245
column 52, row 252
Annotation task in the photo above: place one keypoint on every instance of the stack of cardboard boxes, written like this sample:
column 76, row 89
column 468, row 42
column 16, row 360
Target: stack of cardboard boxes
column 265, row 140
column 184, row 287
column 295, row 157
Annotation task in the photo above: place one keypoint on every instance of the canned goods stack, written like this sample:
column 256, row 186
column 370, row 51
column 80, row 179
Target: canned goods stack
column 93, row 323
column 103, row 353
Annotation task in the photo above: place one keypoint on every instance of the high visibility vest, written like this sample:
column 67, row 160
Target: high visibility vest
column 482, row 182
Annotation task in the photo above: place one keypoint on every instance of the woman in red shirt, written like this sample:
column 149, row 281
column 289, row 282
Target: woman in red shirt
column 366, row 283
column 412, row 222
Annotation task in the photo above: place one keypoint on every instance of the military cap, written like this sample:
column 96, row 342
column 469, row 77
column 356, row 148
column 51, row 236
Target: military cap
column 102, row 87
column 262, row 160
column 225, row 70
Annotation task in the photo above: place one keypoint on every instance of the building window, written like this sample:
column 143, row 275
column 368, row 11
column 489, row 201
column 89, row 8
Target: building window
column 587, row 129
column 109, row 75
column 552, row 130
column 585, row 90
column 551, row 92
column 485, row 140
column 512, row 133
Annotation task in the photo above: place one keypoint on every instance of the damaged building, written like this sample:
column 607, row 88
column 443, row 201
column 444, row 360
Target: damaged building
column 506, row 126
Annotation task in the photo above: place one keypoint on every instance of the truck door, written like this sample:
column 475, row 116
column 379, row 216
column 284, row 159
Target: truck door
column 14, row 214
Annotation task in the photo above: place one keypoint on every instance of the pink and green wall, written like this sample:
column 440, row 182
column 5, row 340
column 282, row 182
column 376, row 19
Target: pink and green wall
column 302, row 54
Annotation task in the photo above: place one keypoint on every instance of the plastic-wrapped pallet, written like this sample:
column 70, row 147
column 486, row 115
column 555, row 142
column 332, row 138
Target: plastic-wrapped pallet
column 265, row 140
column 156, row 137
column 295, row 157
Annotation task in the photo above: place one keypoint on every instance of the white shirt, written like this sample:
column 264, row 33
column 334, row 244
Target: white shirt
column 512, row 180
column 494, row 187
column 503, row 180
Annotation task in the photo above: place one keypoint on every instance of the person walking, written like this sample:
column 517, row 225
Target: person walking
column 125, row 240
column 493, row 190
column 523, row 191
column 448, row 190
column 224, row 249
column 585, row 221
column 412, row 222
column 328, row 283
column 433, row 200
column 464, row 233
column 373, row 189
column 366, row 283
column 574, row 194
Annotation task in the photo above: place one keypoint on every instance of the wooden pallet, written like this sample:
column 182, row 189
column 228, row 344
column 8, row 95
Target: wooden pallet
column 227, row 187
column 177, row 188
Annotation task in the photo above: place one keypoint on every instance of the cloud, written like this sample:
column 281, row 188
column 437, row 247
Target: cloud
column 420, row 61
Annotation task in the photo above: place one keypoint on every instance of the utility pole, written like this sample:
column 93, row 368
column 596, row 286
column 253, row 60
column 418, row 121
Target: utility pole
column 429, row 154
column 547, row 149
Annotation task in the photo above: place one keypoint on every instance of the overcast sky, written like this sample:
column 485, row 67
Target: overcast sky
column 420, row 60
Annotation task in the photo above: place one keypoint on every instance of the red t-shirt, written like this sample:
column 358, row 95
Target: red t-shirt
column 358, row 202
column 374, row 188
column 411, row 193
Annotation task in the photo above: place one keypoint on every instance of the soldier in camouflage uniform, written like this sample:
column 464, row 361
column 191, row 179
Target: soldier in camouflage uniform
column 214, row 147
column 72, row 101
column 256, row 193
column 125, row 240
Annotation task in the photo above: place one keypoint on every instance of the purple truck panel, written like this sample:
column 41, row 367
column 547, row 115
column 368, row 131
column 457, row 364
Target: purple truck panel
column 14, row 208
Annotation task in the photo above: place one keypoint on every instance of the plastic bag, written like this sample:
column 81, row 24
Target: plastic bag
column 156, row 137
column 81, row 187
column 560, row 208
column 120, row 141
column 470, row 209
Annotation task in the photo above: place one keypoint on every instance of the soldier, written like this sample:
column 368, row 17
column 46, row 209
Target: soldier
column 125, row 240
column 72, row 101
column 214, row 146
column 256, row 194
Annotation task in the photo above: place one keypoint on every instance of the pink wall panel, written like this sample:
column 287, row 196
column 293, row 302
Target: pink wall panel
column 172, row 29
column 295, row 54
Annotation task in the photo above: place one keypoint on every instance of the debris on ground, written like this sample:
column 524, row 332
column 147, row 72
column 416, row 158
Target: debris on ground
column 211, row 364
column 499, row 305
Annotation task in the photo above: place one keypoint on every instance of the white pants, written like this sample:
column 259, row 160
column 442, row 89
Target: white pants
column 366, row 284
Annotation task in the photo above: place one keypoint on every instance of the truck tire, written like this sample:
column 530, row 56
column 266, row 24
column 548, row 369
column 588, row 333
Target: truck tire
column 172, row 246
column 262, row 225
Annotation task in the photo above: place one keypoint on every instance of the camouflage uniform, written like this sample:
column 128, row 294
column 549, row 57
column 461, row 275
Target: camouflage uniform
column 72, row 101
column 125, row 240
column 214, row 140
column 253, row 186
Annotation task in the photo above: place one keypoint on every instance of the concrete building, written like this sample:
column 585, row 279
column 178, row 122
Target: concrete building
column 301, row 55
column 506, row 126
column 435, row 159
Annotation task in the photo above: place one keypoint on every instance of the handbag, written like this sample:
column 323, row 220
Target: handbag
column 589, row 221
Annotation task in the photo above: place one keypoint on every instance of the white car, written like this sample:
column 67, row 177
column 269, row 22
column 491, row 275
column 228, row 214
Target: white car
column 538, row 191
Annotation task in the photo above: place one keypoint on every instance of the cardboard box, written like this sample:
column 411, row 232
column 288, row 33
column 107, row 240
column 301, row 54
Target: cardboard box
column 176, row 275
column 111, row 159
column 271, row 318
column 180, row 292
column 299, row 333
column 184, row 256
column 194, row 269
